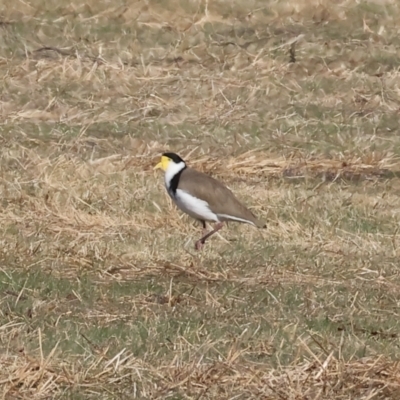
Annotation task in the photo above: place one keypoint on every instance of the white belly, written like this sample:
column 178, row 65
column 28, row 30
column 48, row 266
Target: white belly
column 193, row 206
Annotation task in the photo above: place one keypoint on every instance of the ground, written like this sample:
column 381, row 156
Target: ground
column 294, row 104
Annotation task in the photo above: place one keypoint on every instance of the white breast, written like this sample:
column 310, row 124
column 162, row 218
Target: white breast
column 193, row 206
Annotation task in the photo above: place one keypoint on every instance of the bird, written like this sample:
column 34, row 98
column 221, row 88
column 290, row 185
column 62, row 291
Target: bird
column 203, row 197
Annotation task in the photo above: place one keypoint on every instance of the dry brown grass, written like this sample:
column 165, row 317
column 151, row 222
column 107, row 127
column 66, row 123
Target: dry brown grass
column 294, row 104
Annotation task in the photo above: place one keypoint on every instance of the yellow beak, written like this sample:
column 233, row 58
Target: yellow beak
column 158, row 166
column 163, row 164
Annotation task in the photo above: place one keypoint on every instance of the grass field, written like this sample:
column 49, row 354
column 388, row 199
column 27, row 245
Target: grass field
column 295, row 104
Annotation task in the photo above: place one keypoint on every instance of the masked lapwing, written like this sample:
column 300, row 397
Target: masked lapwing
column 203, row 197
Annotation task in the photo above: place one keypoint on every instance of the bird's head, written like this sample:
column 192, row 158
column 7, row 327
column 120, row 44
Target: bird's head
column 168, row 160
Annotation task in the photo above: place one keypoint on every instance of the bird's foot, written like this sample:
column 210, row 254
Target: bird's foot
column 199, row 245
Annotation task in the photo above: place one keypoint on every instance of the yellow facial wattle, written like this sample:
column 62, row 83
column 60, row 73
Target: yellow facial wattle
column 163, row 164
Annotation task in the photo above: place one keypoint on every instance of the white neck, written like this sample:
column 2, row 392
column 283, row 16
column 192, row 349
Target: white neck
column 172, row 170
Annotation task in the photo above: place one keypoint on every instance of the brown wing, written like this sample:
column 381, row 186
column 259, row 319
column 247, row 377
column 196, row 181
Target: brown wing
column 219, row 197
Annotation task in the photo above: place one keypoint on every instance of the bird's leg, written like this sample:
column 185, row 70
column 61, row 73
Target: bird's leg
column 200, row 243
column 204, row 228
